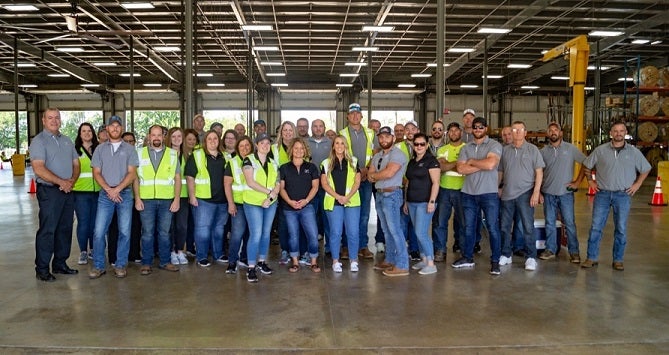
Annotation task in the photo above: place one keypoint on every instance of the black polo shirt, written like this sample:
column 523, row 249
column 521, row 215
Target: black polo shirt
column 297, row 183
column 418, row 174
column 339, row 175
column 215, row 167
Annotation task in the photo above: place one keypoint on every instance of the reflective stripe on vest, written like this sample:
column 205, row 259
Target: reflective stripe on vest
column 238, row 180
column 157, row 184
column 370, row 141
column 202, row 181
column 85, row 182
column 329, row 200
column 253, row 197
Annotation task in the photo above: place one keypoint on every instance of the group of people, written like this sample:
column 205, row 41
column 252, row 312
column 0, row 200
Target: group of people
column 185, row 190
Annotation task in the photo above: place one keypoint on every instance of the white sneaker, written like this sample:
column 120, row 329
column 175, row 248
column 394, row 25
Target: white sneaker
column 354, row 266
column 174, row 259
column 505, row 260
column 336, row 267
column 181, row 257
column 380, row 248
column 530, row 264
column 419, row 265
column 83, row 258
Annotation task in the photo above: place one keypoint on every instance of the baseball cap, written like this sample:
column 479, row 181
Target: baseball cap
column 453, row 124
column 414, row 123
column 480, row 120
column 261, row 137
column 385, row 130
column 259, row 122
column 469, row 111
column 113, row 119
column 214, row 125
column 354, row 107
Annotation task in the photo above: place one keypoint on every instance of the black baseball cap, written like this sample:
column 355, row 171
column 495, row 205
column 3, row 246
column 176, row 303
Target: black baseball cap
column 480, row 120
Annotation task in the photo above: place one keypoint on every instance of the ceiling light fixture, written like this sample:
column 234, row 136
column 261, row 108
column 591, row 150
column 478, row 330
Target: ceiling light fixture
column 592, row 67
column 655, row 42
column 152, row 85
column 128, row 74
column 349, row 75
column 137, row 5
column 355, row 64
column 406, row 85
column 493, row 30
column 59, row 75
column 70, row 49
column 365, row 49
column 104, row 64
column 558, row 77
column 434, row 65
column 167, row 49
column 215, row 84
column 28, row 85
column 589, row 88
column 468, row 86
column 26, row 65
column 421, row 75
column 204, row 75
column 377, row 28
column 276, row 74
column 270, row 63
column 605, row 33
column 529, row 87
column 257, row 27
column 266, row 48
column 344, row 85
column 544, row 51
column 279, row 84
column 640, row 41
column 20, row 7
column 625, row 79
column 460, row 50
column 518, row 66
column 90, row 85
column 492, row 76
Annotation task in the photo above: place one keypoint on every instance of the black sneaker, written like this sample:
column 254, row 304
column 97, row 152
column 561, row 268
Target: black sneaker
column 204, row 263
column 494, row 269
column 264, row 268
column 251, row 275
column 477, row 248
column 232, row 268
column 415, row 256
column 456, row 248
column 463, row 262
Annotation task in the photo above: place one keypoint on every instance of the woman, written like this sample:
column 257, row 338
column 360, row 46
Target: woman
column 422, row 188
column 228, row 143
column 234, row 183
column 204, row 176
column 285, row 134
column 299, row 185
column 179, row 229
column 191, row 142
column 340, row 180
column 261, row 173
column 85, row 191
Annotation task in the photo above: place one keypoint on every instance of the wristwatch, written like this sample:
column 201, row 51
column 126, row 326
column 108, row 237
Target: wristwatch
column 431, row 201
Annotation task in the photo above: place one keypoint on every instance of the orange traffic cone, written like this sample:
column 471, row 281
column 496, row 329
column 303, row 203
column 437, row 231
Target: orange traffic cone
column 591, row 190
column 658, row 197
column 33, row 187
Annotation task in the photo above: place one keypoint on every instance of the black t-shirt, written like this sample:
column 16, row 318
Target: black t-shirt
column 297, row 183
column 215, row 167
column 420, row 184
column 339, row 174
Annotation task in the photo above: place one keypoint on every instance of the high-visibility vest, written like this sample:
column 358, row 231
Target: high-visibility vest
column 202, row 180
column 184, row 185
column 329, row 200
column 85, row 182
column 238, row 180
column 370, row 141
column 268, row 180
column 157, row 184
column 451, row 180
column 280, row 154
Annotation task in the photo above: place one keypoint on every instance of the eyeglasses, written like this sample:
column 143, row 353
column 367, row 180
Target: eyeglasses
column 129, row 141
column 421, row 144
column 437, row 129
column 478, row 127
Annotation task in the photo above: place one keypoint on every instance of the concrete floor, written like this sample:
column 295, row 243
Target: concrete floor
column 560, row 308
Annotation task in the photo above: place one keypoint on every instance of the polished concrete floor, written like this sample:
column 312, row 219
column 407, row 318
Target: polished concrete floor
column 559, row 308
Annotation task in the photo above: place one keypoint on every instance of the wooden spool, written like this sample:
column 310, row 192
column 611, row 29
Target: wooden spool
column 664, row 80
column 654, row 156
column 665, row 106
column 647, row 132
column 649, row 105
column 663, row 132
column 649, row 75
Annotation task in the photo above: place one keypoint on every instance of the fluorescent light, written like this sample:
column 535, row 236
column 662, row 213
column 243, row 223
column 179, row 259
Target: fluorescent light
column 655, row 42
column 355, row 64
column 256, row 27
column 276, row 74
column 365, row 49
column 558, row 77
column 605, row 33
column 26, row 65
column 128, row 74
column 20, row 7
column 349, row 75
column 518, row 66
column 492, row 76
column 468, row 86
column 406, row 85
column 421, row 75
column 137, row 5
column 70, row 49
column 434, row 65
column 589, row 88
column 640, row 41
column 152, row 85
column 204, row 75
column 266, row 48
column 493, row 30
column 59, row 75
column 460, row 50
column 28, row 85
column 625, row 79
column 377, row 28
column 270, row 63
column 529, row 87
column 215, row 84
column 344, row 85
column 279, row 84
column 592, row 67
column 104, row 64
column 544, row 51
column 167, row 49
column 90, row 85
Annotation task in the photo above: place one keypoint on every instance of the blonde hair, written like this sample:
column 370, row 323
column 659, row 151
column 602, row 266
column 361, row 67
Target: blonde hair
column 279, row 136
column 333, row 156
column 307, row 151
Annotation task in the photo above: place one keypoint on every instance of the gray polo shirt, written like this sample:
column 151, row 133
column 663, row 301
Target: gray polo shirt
column 114, row 165
column 519, row 167
column 320, row 149
column 57, row 152
column 559, row 170
column 380, row 160
column 483, row 181
column 616, row 170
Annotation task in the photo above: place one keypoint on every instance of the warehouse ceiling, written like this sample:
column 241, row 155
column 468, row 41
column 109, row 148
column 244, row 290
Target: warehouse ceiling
column 311, row 42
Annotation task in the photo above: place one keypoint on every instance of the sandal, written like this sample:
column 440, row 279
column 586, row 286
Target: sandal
column 315, row 268
column 294, row 268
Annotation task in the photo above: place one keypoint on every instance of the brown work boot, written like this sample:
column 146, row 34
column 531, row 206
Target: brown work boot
column 383, row 265
column 575, row 258
column 589, row 263
column 618, row 265
column 120, row 272
column 96, row 273
column 169, row 267
column 145, row 270
column 365, row 254
column 396, row 272
column 547, row 255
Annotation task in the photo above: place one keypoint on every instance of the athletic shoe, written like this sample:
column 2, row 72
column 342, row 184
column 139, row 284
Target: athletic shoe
column 427, row 270
column 251, row 275
column 304, row 260
column 222, row 260
column 204, row 263
column 494, row 269
column 530, row 264
column 505, row 260
column 463, row 262
column 232, row 268
column 336, row 267
column 174, row 259
column 284, row 258
column 354, row 266
column 241, row 263
column 264, row 268
column 414, row 256
column 419, row 265
column 380, row 248
column 181, row 258
column 477, row 248
column 83, row 258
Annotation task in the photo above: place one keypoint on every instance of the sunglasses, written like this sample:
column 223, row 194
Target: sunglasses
column 421, row 144
column 478, row 127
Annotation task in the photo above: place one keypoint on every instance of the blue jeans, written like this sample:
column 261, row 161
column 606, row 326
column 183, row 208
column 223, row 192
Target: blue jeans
column 620, row 201
column 53, row 241
column 388, row 208
column 472, row 205
column 449, row 201
column 365, row 192
column 517, row 238
column 521, row 206
column 409, row 232
column 156, row 220
column 565, row 204
column 421, row 220
column 259, row 220
column 238, row 232
column 339, row 217
column 85, row 208
column 106, row 208
column 209, row 219
column 306, row 217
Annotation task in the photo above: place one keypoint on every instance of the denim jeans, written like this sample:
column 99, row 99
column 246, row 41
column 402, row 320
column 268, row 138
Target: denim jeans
column 388, row 208
column 321, row 219
column 521, row 206
column 306, row 218
column 259, row 220
column 106, row 208
column 209, row 219
column 472, row 205
column 85, row 208
column 54, row 236
column 339, row 217
column 449, row 202
column 409, row 231
column 238, row 233
column 421, row 220
column 517, row 238
column 156, row 220
column 621, row 202
column 365, row 191
column 282, row 228
column 565, row 204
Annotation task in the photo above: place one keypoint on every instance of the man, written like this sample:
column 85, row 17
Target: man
column 240, row 129
column 157, row 192
column 438, row 137
column 399, row 133
column 558, row 191
column 374, row 125
column 302, row 127
column 320, row 147
column 621, row 169
column 218, row 128
column 507, row 137
column 56, row 166
column 478, row 161
column 386, row 171
column 467, row 121
column 198, row 126
column 259, row 127
column 449, row 194
column 517, row 239
column 520, row 175
column 406, row 146
column 360, row 145
column 114, row 166
column 379, row 238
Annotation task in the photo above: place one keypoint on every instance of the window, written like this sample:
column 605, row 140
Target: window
column 8, row 132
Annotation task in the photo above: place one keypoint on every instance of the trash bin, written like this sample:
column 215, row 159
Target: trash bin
column 663, row 173
column 19, row 164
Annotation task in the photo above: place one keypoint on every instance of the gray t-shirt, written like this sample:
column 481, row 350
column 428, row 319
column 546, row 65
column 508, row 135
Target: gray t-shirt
column 519, row 167
column 57, row 152
column 114, row 165
column 358, row 145
column 380, row 160
column 319, row 150
column 559, row 170
column 616, row 170
column 483, row 181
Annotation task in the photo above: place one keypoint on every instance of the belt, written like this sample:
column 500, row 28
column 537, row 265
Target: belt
column 389, row 189
column 41, row 184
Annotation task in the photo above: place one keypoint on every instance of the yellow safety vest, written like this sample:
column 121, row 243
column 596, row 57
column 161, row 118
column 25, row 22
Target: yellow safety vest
column 238, row 180
column 184, row 184
column 370, row 141
column 253, row 197
column 451, row 180
column 85, row 182
column 280, row 154
column 157, row 184
column 202, row 180
column 329, row 200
